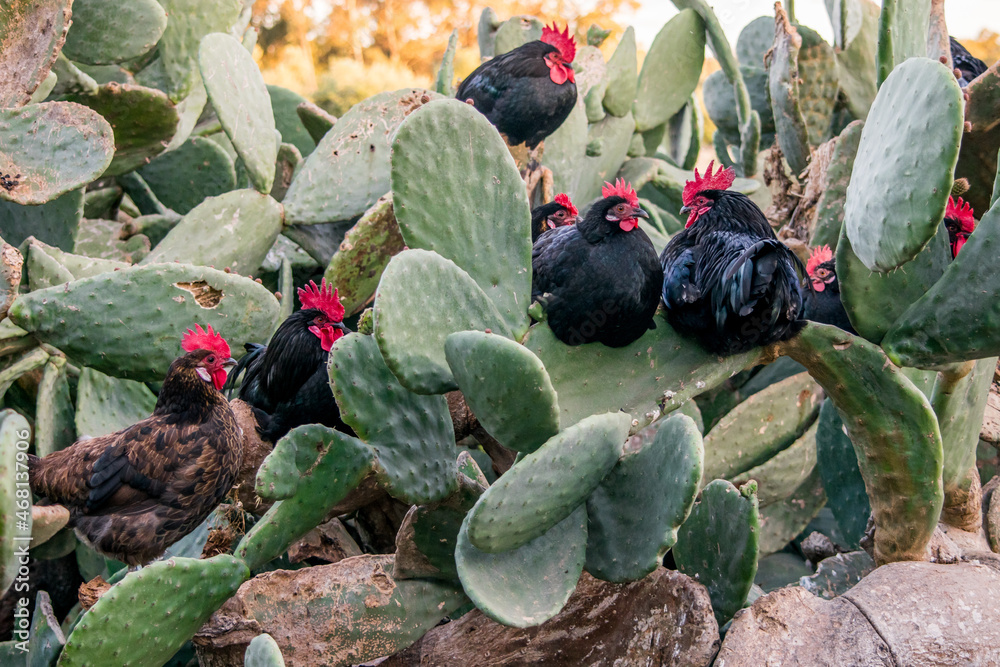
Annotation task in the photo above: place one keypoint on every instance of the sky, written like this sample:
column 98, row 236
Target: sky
column 965, row 17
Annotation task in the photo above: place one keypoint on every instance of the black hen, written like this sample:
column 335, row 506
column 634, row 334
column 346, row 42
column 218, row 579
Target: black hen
column 822, row 302
column 526, row 93
column 556, row 213
column 967, row 64
column 598, row 280
column 286, row 381
column 728, row 281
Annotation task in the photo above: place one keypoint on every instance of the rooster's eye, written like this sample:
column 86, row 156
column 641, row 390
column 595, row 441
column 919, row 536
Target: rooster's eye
column 210, row 359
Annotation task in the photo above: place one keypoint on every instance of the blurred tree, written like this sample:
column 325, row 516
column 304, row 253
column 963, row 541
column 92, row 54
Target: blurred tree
column 986, row 47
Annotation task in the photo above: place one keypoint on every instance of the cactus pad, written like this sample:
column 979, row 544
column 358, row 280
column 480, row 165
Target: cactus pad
column 129, row 323
column 104, row 33
column 54, row 429
column 717, row 545
column 438, row 208
column 544, row 487
column 158, row 608
column 105, row 404
column 284, row 105
column 189, row 21
column 507, row 388
column 903, row 172
column 670, row 71
column 659, row 472
column 352, row 160
column 623, row 76
column 15, row 517
column 182, row 178
column 782, row 520
column 412, row 435
column 31, row 35
column 830, row 209
column 898, row 447
column 515, row 32
column 239, row 97
column 779, row 477
column 233, row 230
column 838, row 468
column 49, row 149
column 263, row 651
column 783, row 85
column 421, row 299
column 529, row 585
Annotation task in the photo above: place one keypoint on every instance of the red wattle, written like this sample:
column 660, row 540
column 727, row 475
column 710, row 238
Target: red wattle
column 959, row 242
column 559, row 72
column 327, row 335
column 818, row 285
column 219, row 378
column 628, row 225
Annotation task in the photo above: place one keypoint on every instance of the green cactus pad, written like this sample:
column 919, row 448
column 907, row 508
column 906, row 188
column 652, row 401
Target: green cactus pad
column 129, row 323
column 622, row 76
column 15, row 517
column 717, row 545
column 507, row 388
column 190, row 21
column 838, row 468
column 613, row 136
column 515, row 32
column 241, row 101
column 328, row 464
column 670, row 71
column 875, row 301
column 754, row 41
column 659, row 472
column 263, row 651
column 31, row 35
column 783, row 86
column 167, row 601
column 54, row 429
column 352, row 160
column 234, row 230
column 779, row 477
column 565, row 148
column 284, row 106
column 955, row 319
column 903, row 173
column 184, row 177
column 51, row 148
column 56, row 222
column 720, row 102
column 439, row 209
column 412, row 435
column 899, row 447
column 421, row 299
column 444, row 84
column 106, row 404
column 144, row 119
column 357, row 266
column 959, row 402
column 781, row 521
column 660, row 367
column 544, row 487
column 817, row 67
column 189, row 109
column 316, row 121
column 761, row 426
column 101, row 239
column 104, row 33
column 33, row 360
column 526, row 586
column 856, row 63
column 47, row 638
column 830, row 209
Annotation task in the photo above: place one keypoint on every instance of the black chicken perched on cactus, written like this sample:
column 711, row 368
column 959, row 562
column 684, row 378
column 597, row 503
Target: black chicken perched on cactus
column 133, row 493
column 729, row 283
column 599, row 280
column 822, row 302
column 528, row 92
column 968, row 66
column 557, row 213
column 286, row 381
column 960, row 222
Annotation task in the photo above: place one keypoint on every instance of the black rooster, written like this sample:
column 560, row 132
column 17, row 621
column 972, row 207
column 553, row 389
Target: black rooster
column 959, row 220
column 528, row 92
column 554, row 214
column 967, row 64
column 598, row 280
column 822, row 302
column 286, row 381
column 729, row 282
column 133, row 493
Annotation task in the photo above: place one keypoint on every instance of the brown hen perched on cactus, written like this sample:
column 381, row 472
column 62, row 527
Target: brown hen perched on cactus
column 133, row 493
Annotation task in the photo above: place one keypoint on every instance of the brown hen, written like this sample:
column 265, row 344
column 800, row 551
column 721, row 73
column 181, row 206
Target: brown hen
column 133, row 493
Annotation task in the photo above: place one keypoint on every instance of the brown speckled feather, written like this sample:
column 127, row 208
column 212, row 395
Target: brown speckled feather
column 133, row 493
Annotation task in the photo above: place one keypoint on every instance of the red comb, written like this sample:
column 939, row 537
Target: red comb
column 961, row 211
column 720, row 180
column 200, row 339
column 322, row 299
column 561, row 40
column 563, row 200
column 620, row 189
column 820, row 254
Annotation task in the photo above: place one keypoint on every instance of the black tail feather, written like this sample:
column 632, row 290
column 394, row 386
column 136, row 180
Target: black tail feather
column 254, row 351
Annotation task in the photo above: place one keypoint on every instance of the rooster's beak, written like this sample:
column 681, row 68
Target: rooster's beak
column 685, row 210
column 640, row 213
column 229, row 364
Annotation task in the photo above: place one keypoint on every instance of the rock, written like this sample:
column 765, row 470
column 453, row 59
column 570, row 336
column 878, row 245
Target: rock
column 255, row 451
column 329, row 541
column 817, row 547
column 663, row 619
column 906, row 613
